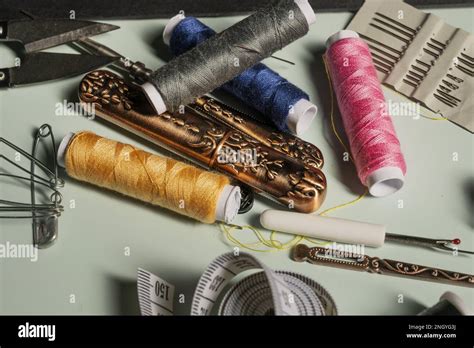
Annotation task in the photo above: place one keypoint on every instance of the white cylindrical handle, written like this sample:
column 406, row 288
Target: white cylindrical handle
column 333, row 229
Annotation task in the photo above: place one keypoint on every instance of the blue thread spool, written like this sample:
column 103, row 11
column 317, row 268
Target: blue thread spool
column 260, row 87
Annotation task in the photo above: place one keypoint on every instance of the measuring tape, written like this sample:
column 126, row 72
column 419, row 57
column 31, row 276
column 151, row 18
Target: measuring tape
column 263, row 293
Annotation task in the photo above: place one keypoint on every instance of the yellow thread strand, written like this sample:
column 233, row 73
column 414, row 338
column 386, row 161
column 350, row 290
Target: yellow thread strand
column 160, row 181
column 354, row 201
column 229, row 236
column 434, row 118
column 271, row 244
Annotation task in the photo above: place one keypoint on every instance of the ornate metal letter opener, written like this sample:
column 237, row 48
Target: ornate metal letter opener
column 286, row 169
column 319, row 256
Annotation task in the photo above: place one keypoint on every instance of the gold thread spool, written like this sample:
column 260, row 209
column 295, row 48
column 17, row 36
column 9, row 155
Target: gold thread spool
column 158, row 180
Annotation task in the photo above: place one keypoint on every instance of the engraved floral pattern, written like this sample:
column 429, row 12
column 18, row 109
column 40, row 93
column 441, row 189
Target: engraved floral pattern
column 273, row 171
column 297, row 148
column 101, row 88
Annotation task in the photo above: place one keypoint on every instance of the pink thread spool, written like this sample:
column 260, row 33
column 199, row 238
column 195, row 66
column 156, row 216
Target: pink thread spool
column 374, row 144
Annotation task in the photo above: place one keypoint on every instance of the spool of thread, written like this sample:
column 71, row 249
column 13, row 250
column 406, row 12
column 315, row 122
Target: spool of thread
column 286, row 105
column 227, row 54
column 374, row 144
column 449, row 304
column 333, row 229
column 161, row 181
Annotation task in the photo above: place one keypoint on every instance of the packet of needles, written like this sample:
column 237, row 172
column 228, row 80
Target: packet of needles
column 421, row 56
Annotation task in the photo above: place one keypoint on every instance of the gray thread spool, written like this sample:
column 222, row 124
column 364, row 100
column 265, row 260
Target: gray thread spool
column 227, row 54
column 449, row 304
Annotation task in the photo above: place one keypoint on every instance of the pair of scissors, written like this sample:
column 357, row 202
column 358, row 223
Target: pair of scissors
column 35, row 35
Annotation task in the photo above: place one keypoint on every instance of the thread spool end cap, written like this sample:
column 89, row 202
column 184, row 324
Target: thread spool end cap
column 457, row 302
column 307, row 10
column 62, row 148
column 228, row 204
column 342, row 34
column 301, row 116
column 385, row 181
column 169, row 28
column 154, row 97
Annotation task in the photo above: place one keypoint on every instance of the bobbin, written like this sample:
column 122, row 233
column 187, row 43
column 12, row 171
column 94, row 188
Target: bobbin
column 383, row 181
column 303, row 112
column 158, row 103
column 449, row 304
column 228, row 203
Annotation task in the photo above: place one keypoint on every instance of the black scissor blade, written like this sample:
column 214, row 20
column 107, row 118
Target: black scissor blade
column 39, row 34
column 42, row 66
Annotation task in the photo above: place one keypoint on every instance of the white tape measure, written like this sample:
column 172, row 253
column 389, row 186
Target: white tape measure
column 262, row 293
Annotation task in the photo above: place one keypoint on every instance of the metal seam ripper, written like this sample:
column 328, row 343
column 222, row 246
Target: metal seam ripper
column 348, row 231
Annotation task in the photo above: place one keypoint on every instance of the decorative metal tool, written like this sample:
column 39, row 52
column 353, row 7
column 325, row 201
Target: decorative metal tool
column 200, row 138
column 39, row 34
column 287, row 168
column 290, row 145
column 327, row 257
column 44, row 215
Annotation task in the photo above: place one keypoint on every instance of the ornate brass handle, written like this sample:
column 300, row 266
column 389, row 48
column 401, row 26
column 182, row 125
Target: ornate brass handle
column 329, row 257
column 285, row 143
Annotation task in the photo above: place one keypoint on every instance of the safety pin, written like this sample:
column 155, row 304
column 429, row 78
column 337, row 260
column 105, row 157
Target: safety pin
column 45, row 216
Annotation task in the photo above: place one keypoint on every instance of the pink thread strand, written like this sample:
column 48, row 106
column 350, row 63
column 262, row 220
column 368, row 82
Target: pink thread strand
column 369, row 128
